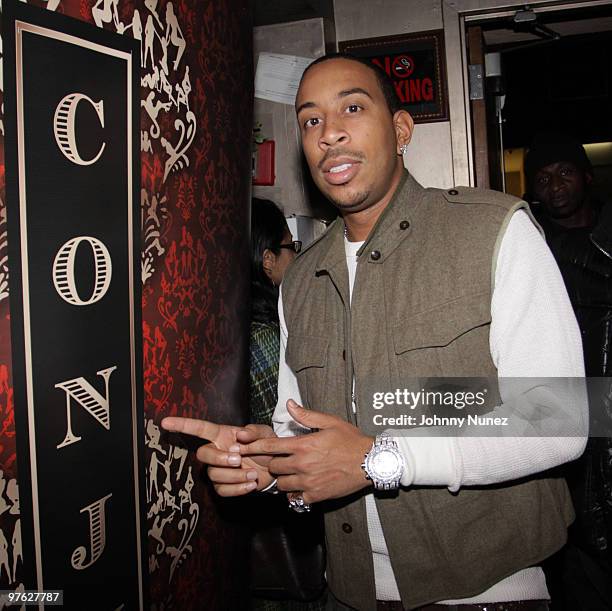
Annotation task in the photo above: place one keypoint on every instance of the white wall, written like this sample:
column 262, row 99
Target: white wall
column 430, row 157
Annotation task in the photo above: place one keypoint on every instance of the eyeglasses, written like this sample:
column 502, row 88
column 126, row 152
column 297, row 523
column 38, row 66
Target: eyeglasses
column 295, row 246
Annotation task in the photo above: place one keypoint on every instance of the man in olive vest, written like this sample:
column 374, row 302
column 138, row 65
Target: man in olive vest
column 408, row 283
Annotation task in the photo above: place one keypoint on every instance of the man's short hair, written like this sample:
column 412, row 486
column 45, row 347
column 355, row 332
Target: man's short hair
column 385, row 83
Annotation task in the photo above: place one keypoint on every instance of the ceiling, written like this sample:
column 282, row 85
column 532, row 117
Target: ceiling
column 578, row 27
column 574, row 22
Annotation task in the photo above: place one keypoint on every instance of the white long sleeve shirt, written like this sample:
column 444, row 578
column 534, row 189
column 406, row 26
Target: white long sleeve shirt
column 533, row 333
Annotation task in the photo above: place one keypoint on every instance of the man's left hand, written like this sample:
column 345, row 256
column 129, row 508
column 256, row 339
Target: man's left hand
column 322, row 465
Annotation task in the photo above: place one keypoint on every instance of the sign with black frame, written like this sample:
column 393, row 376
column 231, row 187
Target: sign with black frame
column 415, row 63
column 73, row 193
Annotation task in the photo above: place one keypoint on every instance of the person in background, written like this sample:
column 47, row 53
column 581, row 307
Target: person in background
column 578, row 230
column 287, row 556
column 272, row 251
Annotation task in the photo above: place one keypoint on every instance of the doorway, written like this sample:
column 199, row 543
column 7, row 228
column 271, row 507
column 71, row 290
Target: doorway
column 545, row 71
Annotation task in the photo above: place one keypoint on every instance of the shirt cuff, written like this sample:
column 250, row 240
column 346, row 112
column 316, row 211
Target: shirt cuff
column 428, row 461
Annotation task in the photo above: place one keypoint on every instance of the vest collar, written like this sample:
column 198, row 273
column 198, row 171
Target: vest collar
column 396, row 221
column 393, row 226
column 333, row 254
column 332, row 260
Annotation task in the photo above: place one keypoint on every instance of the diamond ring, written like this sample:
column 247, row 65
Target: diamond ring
column 297, row 503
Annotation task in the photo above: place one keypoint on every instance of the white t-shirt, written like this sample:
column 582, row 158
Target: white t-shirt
column 533, row 333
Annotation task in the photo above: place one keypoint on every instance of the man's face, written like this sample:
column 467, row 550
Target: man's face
column 561, row 188
column 348, row 134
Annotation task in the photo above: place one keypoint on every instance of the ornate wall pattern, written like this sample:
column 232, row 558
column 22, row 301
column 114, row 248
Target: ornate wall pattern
column 196, row 115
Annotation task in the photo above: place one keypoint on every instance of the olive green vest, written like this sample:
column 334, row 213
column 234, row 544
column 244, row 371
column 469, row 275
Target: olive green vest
column 420, row 307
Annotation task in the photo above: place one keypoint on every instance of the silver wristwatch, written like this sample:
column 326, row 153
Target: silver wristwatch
column 384, row 463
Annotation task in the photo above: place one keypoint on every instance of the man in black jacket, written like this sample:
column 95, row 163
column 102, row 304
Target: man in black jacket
column 578, row 230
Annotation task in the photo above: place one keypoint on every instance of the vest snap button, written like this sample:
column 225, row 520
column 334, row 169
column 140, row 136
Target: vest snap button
column 375, row 255
column 347, row 528
column 404, row 225
column 453, row 192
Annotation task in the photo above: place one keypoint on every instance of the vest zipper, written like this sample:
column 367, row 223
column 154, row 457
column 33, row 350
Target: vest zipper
column 351, row 410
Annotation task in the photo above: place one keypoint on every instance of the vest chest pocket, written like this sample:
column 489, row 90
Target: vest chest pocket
column 307, row 357
column 451, row 339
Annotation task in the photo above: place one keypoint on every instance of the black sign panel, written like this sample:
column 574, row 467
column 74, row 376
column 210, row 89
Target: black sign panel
column 415, row 64
column 72, row 179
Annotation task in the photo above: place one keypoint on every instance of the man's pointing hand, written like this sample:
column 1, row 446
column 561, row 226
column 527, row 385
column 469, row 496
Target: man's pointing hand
column 231, row 473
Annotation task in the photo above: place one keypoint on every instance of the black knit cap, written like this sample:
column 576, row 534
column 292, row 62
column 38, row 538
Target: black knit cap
column 552, row 147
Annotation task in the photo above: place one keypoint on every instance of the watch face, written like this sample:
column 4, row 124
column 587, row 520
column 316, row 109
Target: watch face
column 385, row 464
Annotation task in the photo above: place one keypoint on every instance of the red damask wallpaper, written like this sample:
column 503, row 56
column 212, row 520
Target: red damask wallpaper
column 196, row 123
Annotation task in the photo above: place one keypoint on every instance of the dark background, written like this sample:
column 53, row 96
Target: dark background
column 564, row 84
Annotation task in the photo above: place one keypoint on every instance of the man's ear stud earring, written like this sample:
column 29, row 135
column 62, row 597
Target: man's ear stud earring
column 403, row 148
